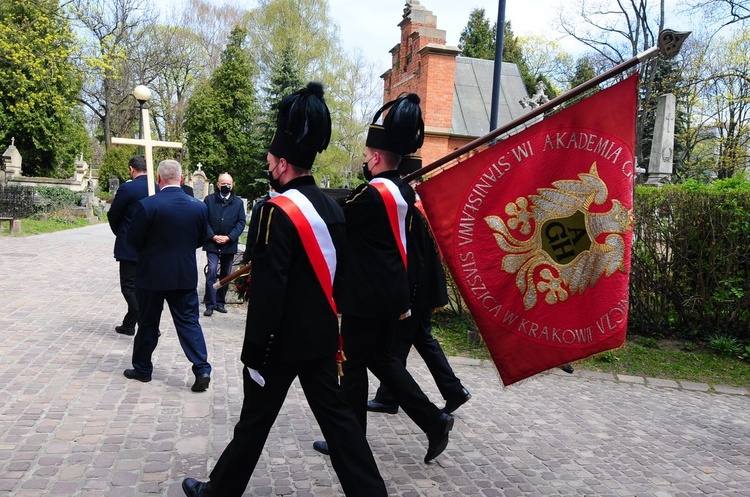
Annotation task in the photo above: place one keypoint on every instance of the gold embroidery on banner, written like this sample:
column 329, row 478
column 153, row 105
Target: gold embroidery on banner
column 562, row 256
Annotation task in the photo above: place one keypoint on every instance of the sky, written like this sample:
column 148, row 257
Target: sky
column 373, row 26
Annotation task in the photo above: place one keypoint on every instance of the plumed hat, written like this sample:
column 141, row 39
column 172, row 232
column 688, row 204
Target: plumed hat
column 402, row 130
column 409, row 164
column 303, row 127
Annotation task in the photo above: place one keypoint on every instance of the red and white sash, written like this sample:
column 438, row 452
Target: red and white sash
column 397, row 208
column 315, row 238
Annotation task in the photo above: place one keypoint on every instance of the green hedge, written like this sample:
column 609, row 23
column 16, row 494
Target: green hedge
column 690, row 274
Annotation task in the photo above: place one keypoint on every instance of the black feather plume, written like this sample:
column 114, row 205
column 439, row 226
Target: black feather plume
column 304, row 116
column 404, row 125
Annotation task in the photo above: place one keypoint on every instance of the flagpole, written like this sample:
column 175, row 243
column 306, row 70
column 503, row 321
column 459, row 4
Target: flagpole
column 496, row 79
column 669, row 45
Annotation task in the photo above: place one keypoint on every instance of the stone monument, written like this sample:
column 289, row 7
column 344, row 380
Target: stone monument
column 199, row 180
column 662, row 148
column 12, row 161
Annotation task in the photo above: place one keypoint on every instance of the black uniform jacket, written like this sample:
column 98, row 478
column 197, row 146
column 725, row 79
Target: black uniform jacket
column 376, row 283
column 289, row 317
column 426, row 274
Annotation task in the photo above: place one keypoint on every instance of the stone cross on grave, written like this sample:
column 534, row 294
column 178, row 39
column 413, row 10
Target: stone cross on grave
column 148, row 145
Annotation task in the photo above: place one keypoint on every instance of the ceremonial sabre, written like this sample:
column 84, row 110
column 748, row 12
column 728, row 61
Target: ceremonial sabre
column 233, row 276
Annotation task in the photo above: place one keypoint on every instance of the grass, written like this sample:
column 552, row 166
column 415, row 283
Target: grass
column 639, row 356
column 30, row 226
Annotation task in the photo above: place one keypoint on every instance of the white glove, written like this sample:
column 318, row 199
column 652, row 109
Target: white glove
column 256, row 376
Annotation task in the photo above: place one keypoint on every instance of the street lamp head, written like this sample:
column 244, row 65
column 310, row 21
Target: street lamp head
column 142, row 94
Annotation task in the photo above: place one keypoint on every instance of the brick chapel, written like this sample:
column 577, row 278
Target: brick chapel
column 456, row 92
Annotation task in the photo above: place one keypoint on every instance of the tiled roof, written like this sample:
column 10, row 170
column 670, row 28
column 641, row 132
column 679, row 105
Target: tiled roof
column 472, row 96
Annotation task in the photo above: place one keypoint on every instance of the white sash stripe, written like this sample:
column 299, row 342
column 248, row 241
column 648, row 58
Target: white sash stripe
column 319, row 227
column 402, row 206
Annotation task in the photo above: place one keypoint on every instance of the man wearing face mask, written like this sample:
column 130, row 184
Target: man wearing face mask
column 291, row 332
column 226, row 222
column 377, row 292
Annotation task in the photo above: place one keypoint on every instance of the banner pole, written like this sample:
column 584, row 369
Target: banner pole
column 669, row 46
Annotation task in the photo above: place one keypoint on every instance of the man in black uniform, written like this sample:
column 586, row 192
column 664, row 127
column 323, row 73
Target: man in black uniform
column 428, row 292
column 378, row 215
column 292, row 325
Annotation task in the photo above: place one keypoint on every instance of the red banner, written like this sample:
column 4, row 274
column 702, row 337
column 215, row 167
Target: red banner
column 536, row 232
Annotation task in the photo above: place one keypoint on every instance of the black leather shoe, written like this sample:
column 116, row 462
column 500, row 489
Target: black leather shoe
column 375, row 406
column 456, row 402
column 221, row 309
column 437, row 439
column 201, row 383
column 124, row 330
column 134, row 374
column 208, row 312
column 195, row 488
column 567, row 368
column 322, row 447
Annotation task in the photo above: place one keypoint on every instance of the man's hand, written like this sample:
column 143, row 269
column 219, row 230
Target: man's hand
column 221, row 239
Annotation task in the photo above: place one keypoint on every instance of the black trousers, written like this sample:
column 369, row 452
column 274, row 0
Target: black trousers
column 417, row 330
column 127, row 287
column 368, row 345
column 351, row 456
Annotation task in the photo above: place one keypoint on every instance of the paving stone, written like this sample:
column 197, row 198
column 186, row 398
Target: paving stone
column 71, row 424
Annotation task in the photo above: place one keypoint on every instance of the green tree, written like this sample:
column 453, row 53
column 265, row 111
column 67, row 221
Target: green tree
column 285, row 79
column 39, row 87
column 477, row 39
column 221, row 121
column 111, row 31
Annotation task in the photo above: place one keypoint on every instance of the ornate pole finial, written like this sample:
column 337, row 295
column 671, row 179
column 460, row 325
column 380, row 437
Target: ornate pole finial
column 671, row 41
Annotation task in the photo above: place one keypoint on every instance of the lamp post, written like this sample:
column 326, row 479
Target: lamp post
column 142, row 94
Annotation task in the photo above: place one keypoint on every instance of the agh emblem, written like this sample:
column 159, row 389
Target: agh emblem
column 553, row 242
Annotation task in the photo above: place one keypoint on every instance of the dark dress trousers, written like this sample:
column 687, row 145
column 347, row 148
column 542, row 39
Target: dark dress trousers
column 292, row 332
column 167, row 228
column 376, row 295
column 428, row 292
column 119, row 216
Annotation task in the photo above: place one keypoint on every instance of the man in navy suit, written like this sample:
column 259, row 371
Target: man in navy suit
column 119, row 216
column 166, row 230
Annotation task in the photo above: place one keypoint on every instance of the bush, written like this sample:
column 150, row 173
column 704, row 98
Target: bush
column 58, row 198
column 115, row 163
column 725, row 346
column 690, row 271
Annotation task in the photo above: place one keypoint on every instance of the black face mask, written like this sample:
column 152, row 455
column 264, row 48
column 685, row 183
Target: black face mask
column 275, row 184
column 225, row 189
column 366, row 171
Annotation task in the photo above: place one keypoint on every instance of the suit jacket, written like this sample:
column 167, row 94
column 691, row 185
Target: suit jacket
column 289, row 317
column 375, row 277
column 121, row 213
column 166, row 230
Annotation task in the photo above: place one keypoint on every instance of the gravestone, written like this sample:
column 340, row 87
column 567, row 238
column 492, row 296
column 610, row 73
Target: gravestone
column 199, row 180
column 662, row 148
column 12, row 161
column 114, row 184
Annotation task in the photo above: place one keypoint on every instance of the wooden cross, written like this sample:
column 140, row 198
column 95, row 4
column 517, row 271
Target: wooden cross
column 148, row 145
